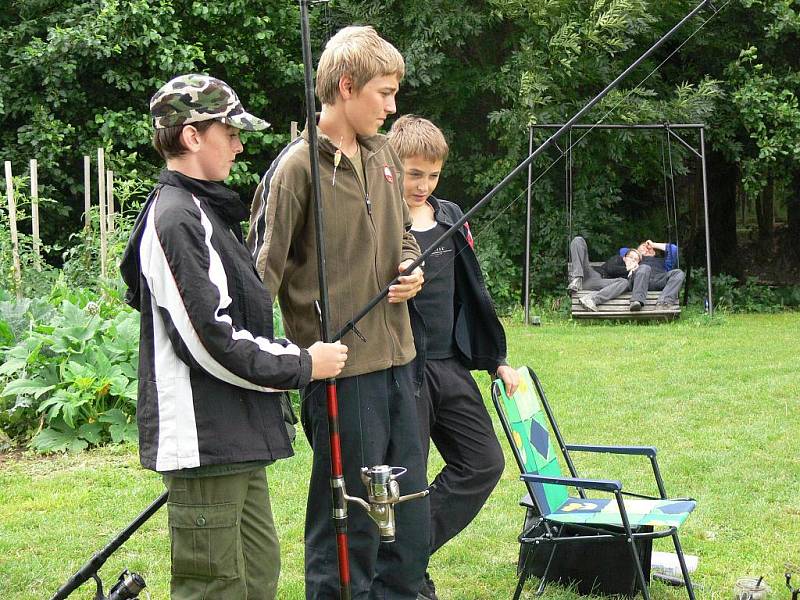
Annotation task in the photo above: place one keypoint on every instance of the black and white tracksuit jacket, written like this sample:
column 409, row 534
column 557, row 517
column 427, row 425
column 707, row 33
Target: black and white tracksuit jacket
column 480, row 340
column 209, row 369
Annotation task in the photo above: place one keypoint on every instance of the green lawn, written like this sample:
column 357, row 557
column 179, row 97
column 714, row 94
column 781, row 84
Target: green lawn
column 720, row 399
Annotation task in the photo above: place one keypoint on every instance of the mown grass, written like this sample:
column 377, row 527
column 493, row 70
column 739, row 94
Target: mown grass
column 720, row 398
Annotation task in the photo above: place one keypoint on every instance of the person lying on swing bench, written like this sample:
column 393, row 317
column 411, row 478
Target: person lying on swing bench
column 657, row 272
column 609, row 280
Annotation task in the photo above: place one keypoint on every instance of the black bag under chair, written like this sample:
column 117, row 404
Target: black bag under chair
column 591, row 567
column 572, row 536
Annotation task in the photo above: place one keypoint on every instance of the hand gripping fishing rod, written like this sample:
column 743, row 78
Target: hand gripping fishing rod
column 383, row 491
column 517, row 170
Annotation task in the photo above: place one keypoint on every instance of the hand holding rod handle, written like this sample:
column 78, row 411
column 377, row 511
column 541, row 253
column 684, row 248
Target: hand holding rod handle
column 518, row 169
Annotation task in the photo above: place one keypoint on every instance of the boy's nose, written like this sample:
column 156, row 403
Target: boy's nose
column 390, row 106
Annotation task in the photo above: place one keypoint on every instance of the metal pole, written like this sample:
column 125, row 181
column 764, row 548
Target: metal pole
column 621, row 126
column 705, row 214
column 528, row 235
column 516, row 171
column 337, row 473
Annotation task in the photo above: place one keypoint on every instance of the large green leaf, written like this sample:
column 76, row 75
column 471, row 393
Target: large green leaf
column 12, row 364
column 91, row 432
column 51, row 439
column 6, row 334
column 26, row 386
column 122, row 428
column 80, row 375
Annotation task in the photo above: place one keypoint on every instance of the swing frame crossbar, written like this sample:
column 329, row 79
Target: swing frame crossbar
column 671, row 130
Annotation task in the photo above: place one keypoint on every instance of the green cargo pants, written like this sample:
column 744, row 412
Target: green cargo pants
column 224, row 543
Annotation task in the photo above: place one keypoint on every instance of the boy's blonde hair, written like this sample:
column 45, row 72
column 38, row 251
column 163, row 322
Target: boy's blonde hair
column 414, row 136
column 360, row 53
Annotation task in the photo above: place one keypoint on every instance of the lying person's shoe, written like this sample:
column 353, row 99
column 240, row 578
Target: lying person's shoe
column 636, row 306
column 576, row 285
column 588, row 302
column 428, row 590
column 667, row 305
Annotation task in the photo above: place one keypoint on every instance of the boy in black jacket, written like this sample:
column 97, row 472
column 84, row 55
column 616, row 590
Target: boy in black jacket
column 208, row 411
column 455, row 329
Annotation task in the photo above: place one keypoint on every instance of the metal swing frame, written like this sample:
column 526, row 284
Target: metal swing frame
column 671, row 132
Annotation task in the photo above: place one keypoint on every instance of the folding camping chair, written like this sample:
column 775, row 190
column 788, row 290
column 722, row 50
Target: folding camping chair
column 527, row 420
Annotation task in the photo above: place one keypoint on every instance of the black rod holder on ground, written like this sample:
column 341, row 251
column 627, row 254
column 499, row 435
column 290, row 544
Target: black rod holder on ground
column 518, row 169
column 90, row 569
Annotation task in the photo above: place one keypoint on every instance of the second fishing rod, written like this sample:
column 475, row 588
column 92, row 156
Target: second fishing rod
column 349, row 326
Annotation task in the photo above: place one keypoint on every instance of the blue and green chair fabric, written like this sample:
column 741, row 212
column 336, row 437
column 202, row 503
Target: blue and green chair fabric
column 531, row 430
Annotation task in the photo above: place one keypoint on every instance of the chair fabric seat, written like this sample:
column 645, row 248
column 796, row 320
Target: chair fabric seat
column 605, row 511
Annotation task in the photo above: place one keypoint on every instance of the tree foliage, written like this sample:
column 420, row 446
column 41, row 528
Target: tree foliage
column 79, row 74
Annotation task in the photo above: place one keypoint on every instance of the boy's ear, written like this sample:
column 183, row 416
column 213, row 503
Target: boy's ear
column 346, row 87
column 190, row 137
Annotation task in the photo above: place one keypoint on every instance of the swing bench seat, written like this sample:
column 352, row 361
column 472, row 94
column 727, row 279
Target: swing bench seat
column 619, row 307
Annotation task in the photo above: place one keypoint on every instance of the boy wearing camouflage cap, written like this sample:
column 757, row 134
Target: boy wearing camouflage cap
column 367, row 242
column 210, row 372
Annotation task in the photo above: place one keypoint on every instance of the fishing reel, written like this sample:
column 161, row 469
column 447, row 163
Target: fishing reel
column 128, row 587
column 789, row 571
column 383, row 492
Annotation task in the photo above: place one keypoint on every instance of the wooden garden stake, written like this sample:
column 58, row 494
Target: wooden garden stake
column 12, row 219
column 110, row 196
column 101, row 196
column 87, row 190
column 37, row 259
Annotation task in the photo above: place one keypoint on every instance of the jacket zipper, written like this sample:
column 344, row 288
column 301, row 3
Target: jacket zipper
column 368, row 204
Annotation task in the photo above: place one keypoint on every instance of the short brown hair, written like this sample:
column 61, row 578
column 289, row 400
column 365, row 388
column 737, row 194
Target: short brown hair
column 414, row 136
column 360, row 53
column 167, row 140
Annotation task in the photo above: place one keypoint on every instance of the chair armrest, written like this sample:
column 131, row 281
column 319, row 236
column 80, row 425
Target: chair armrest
column 649, row 451
column 637, row 450
column 605, row 485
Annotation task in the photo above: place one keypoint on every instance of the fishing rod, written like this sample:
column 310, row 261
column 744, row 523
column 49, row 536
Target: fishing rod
column 383, row 490
column 323, row 307
column 517, row 170
column 128, row 584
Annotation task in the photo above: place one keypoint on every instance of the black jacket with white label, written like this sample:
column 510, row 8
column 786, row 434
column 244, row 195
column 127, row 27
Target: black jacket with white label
column 480, row 340
column 209, row 369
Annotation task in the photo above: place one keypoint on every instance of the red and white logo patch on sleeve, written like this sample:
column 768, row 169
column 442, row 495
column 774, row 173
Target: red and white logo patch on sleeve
column 470, row 239
column 387, row 173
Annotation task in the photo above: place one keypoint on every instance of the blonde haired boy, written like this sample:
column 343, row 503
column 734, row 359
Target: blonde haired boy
column 368, row 242
column 456, row 329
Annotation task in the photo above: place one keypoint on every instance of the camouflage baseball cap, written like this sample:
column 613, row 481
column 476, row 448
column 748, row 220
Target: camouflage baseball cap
column 193, row 98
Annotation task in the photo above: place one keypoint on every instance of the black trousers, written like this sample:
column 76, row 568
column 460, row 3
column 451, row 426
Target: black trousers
column 453, row 415
column 378, row 426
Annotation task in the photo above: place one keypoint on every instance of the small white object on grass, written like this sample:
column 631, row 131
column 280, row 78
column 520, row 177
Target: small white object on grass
column 667, row 563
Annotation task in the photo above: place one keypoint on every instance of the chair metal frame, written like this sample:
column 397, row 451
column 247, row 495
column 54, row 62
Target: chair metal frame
column 554, row 529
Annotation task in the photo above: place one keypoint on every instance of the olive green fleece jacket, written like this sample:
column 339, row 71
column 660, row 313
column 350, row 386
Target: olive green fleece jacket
column 367, row 236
